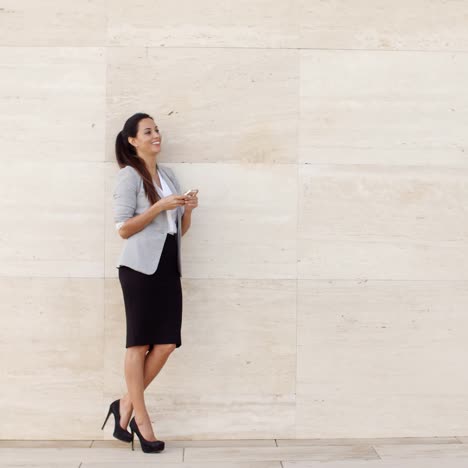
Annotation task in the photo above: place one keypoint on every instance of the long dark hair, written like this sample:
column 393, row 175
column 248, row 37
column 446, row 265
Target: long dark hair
column 126, row 155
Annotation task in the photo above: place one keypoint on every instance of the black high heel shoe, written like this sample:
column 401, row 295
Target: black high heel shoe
column 119, row 433
column 148, row 446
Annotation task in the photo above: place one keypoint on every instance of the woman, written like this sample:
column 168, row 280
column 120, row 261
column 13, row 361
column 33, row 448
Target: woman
column 152, row 215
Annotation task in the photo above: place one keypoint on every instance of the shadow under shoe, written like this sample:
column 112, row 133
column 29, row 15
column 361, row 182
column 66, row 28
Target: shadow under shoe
column 119, row 433
column 148, row 446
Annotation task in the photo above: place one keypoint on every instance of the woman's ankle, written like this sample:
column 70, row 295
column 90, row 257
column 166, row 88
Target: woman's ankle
column 125, row 400
column 142, row 418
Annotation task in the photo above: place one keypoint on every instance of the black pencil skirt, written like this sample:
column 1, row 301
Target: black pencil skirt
column 153, row 303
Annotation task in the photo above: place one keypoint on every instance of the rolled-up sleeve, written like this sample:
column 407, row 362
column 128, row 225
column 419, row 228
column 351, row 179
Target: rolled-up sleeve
column 124, row 196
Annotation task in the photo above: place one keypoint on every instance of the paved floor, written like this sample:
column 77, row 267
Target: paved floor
column 431, row 452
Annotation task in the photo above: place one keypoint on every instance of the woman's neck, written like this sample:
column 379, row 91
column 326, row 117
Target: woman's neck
column 151, row 164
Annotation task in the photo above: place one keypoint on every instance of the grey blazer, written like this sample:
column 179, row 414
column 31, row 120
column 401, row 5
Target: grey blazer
column 142, row 251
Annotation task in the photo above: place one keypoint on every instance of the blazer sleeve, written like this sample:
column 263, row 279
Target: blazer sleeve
column 125, row 195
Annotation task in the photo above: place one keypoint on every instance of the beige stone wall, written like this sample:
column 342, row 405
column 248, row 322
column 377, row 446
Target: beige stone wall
column 325, row 288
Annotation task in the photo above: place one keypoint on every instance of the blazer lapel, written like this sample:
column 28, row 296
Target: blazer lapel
column 168, row 180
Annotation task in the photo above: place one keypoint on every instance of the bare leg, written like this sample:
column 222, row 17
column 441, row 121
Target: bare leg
column 148, row 367
column 155, row 361
column 134, row 375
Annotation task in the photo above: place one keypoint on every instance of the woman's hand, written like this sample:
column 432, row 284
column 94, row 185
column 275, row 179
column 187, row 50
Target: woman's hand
column 171, row 202
column 191, row 203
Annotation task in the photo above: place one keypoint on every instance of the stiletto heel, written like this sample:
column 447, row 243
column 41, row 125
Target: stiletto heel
column 108, row 414
column 148, row 446
column 119, row 433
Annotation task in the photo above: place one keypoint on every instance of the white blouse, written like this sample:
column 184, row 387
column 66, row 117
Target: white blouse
column 171, row 214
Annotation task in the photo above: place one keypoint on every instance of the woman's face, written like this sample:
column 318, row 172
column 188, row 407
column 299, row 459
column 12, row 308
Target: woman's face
column 148, row 139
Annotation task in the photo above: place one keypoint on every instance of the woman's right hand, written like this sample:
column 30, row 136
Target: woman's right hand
column 171, row 202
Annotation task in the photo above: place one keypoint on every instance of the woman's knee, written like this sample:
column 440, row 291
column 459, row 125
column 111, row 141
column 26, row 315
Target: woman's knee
column 140, row 349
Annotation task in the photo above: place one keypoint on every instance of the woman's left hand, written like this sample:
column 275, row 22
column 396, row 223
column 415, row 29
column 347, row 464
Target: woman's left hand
column 191, row 203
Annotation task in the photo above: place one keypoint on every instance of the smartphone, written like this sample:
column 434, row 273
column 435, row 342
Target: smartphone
column 191, row 192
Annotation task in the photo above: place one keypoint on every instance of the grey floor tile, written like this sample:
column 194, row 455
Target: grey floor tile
column 319, row 453
column 223, row 443
column 151, row 464
column 45, row 443
column 420, row 463
column 110, row 444
column 86, row 455
column 39, row 465
column 369, row 441
column 196, row 443
column 390, row 452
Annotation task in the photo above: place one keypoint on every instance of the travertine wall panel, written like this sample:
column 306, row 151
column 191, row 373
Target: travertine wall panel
column 247, row 24
column 386, row 348
column 53, row 103
column 394, row 108
column 382, row 223
column 51, row 349
column 212, row 105
column 53, row 219
column 53, row 23
column 378, row 24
